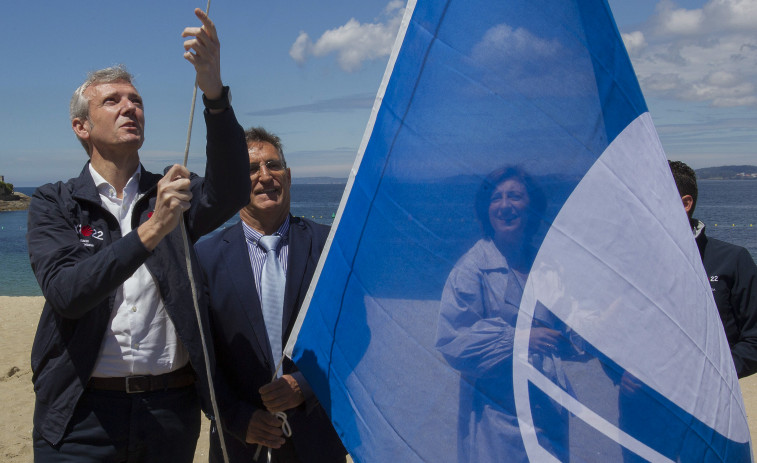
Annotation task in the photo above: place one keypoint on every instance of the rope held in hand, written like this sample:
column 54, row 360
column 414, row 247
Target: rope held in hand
column 281, row 416
column 192, row 284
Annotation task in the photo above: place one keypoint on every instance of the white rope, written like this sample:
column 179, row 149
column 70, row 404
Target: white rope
column 192, row 284
column 208, row 373
column 281, row 416
column 191, row 119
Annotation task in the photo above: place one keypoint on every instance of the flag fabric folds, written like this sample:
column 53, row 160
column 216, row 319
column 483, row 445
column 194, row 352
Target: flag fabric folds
column 511, row 275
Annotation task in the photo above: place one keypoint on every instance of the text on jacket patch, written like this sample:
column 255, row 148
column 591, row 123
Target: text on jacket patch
column 86, row 232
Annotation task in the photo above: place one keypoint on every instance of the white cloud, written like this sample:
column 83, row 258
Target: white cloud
column 634, row 42
column 739, row 14
column 678, row 21
column 707, row 54
column 502, row 41
column 721, row 79
column 662, row 82
column 394, row 6
column 515, row 59
column 354, row 42
column 300, row 48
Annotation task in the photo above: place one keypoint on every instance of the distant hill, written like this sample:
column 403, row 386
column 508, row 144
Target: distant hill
column 318, row 180
column 707, row 173
column 727, row 173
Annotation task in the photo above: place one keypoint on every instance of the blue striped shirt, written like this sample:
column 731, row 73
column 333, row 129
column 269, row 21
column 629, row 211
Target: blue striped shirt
column 257, row 259
column 257, row 253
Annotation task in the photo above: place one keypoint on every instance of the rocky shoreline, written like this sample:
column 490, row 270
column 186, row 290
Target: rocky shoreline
column 14, row 202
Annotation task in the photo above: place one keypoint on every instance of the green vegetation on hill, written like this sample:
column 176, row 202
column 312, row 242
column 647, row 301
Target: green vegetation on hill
column 6, row 189
column 726, row 172
column 11, row 201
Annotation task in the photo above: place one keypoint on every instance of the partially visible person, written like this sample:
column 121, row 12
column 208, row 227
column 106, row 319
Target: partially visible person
column 249, row 330
column 733, row 278
column 480, row 306
column 118, row 366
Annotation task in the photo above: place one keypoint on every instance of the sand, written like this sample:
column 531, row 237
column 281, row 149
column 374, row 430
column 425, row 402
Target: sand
column 18, row 322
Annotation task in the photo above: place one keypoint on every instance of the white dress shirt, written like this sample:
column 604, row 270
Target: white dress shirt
column 141, row 338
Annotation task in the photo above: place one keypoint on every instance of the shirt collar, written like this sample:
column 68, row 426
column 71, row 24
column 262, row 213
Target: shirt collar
column 106, row 189
column 697, row 226
column 253, row 236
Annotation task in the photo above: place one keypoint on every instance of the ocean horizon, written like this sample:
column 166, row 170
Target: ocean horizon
column 727, row 207
column 315, row 201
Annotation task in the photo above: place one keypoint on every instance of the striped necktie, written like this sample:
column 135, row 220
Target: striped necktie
column 272, row 283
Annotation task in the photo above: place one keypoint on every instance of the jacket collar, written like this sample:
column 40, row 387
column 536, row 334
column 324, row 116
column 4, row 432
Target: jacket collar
column 488, row 256
column 83, row 186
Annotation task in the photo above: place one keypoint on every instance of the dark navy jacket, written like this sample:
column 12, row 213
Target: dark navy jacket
column 80, row 258
column 733, row 279
column 242, row 348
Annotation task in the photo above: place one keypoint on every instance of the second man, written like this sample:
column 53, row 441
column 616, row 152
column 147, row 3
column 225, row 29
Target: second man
column 257, row 274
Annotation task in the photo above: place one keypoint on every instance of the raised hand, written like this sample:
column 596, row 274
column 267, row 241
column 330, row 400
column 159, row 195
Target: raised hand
column 206, row 57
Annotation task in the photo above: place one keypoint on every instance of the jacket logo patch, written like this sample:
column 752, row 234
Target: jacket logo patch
column 87, row 233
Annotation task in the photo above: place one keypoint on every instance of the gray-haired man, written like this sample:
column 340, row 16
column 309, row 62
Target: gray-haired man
column 117, row 358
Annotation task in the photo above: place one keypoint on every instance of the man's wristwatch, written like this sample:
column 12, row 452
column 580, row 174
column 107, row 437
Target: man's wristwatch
column 221, row 103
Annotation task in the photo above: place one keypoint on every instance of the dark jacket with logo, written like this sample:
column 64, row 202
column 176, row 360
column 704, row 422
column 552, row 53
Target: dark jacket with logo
column 733, row 278
column 80, row 258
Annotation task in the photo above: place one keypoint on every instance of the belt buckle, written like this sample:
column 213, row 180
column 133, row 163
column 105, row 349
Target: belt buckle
column 136, row 384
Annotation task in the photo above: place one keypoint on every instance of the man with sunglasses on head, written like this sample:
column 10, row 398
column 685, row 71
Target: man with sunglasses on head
column 251, row 314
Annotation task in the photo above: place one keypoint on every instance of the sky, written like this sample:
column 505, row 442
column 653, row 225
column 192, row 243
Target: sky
column 309, row 72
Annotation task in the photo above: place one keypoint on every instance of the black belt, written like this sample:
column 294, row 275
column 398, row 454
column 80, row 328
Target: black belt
column 182, row 377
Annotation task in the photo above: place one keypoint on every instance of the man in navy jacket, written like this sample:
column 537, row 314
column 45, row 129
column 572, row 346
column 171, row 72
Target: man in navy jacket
column 117, row 361
column 233, row 262
column 733, row 278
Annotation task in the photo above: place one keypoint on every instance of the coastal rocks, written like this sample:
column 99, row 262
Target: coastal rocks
column 14, row 202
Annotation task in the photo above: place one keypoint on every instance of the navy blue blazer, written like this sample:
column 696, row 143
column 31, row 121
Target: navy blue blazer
column 243, row 354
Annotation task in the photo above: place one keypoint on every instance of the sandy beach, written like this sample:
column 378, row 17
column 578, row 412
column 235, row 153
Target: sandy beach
column 18, row 322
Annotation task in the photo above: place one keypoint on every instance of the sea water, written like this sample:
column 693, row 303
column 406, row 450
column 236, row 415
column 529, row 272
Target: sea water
column 727, row 207
column 317, row 202
column 16, row 277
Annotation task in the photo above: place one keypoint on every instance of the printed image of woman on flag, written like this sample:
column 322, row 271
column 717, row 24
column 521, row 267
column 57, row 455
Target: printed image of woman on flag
column 479, row 309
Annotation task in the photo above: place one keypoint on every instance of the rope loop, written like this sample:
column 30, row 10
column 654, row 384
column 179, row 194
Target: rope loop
column 281, row 416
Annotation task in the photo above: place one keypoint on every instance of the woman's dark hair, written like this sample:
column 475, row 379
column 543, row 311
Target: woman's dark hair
column 537, row 199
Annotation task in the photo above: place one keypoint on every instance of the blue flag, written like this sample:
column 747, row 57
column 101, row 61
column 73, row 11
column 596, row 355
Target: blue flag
column 511, row 275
